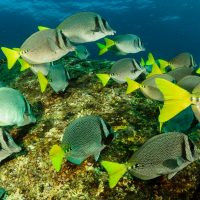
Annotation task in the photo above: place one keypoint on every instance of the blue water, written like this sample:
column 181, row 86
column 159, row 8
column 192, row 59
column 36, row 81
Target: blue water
column 166, row 27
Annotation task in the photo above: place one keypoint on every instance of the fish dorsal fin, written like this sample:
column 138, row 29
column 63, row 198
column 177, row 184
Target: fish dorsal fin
column 104, row 78
column 176, row 99
column 24, row 65
column 155, row 70
column 43, row 81
column 115, row 171
column 150, row 60
column 42, row 28
column 56, row 155
column 132, row 85
column 109, row 42
column 11, row 55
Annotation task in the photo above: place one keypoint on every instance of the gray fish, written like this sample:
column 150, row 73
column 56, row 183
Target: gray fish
column 189, row 82
column 182, row 60
column 150, row 89
column 180, row 73
column 85, row 27
column 58, row 77
column 86, row 136
column 41, row 47
column 14, row 109
column 122, row 70
column 164, row 154
column 81, row 52
column 122, row 45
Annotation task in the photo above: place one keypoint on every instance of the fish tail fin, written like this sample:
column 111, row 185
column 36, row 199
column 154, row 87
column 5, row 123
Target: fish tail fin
column 132, row 86
column 11, row 55
column 115, row 171
column 42, row 28
column 24, row 65
column 150, row 60
column 103, row 49
column 142, row 62
column 104, row 78
column 155, row 70
column 163, row 64
column 43, row 81
column 176, row 99
column 56, row 155
column 198, row 71
column 109, row 42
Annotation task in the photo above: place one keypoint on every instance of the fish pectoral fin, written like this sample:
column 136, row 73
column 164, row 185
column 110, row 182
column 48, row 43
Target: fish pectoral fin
column 43, row 81
column 57, row 155
column 104, row 78
column 132, row 86
column 42, row 28
column 11, row 55
column 115, row 171
column 171, row 175
column 24, row 65
column 52, row 45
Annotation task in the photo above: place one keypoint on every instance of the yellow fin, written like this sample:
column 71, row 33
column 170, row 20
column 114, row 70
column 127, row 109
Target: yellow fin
column 104, row 78
column 102, row 51
column 11, row 55
column 16, row 49
column 56, row 155
column 109, row 42
column 142, row 62
column 163, row 64
column 155, row 70
column 115, row 171
column 43, row 81
column 24, row 65
column 176, row 99
column 42, row 28
column 150, row 60
column 132, row 86
column 198, row 71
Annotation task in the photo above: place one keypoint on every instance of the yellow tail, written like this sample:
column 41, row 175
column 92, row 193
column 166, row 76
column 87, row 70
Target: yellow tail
column 11, row 55
column 163, row 64
column 103, row 49
column 132, row 86
column 176, row 99
column 155, row 70
column 109, row 42
column 41, row 28
column 24, row 64
column 104, row 78
column 142, row 62
column 115, row 171
column 56, row 155
column 43, row 81
column 150, row 60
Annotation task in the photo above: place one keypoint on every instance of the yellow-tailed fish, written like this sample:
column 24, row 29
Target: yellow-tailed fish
column 155, row 158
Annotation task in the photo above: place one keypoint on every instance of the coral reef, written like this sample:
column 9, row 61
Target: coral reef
column 29, row 174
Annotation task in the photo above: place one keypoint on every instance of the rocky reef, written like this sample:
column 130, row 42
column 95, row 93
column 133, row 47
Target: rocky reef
column 29, row 175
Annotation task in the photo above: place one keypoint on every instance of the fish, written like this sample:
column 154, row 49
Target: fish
column 84, row 137
column 189, row 82
column 179, row 73
column 58, row 77
column 121, row 70
column 14, row 109
column 176, row 99
column 154, row 158
column 148, row 87
column 7, row 145
column 122, row 45
column 81, row 52
column 41, row 47
column 85, row 27
column 184, row 59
